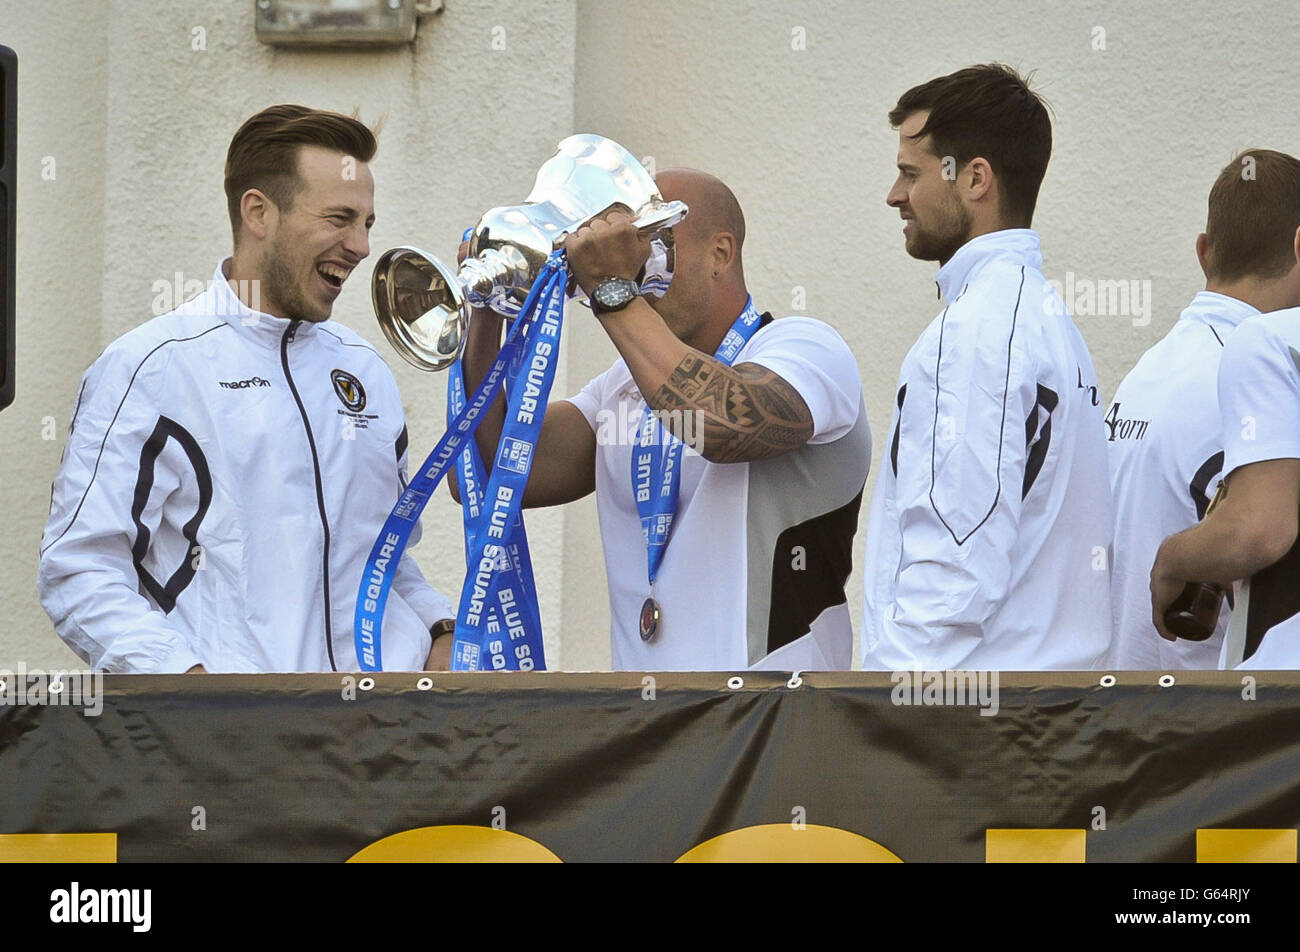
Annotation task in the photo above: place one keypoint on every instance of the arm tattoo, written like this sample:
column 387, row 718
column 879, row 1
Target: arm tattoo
column 732, row 414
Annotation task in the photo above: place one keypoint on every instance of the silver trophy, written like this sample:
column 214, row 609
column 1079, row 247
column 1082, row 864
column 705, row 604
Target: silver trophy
column 424, row 307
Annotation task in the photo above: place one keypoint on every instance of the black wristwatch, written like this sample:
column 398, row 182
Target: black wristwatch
column 613, row 294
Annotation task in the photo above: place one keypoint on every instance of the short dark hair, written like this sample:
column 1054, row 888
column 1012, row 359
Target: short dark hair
column 987, row 111
column 264, row 152
column 1253, row 216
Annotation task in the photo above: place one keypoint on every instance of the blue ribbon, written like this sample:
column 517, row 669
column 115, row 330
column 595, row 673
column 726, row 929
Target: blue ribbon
column 498, row 624
column 518, row 562
column 656, row 456
column 386, row 554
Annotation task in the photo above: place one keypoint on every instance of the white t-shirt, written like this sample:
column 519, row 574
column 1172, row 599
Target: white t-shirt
column 1259, row 392
column 990, row 528
column 754, row 571
column 1165, row 438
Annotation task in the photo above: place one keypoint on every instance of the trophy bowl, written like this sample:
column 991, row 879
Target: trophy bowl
column 424, row 307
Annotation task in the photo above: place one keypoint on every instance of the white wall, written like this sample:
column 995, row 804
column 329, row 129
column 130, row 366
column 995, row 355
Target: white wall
column 138, row 121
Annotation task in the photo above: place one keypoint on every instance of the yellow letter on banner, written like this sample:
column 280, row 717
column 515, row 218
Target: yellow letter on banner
column 1035, row 846
column 1245, row 846
column 785, row 843
column 58, row 847
column 455, row 844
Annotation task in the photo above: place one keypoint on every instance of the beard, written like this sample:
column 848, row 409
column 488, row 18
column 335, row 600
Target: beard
column 283, row 290
column 940, row 241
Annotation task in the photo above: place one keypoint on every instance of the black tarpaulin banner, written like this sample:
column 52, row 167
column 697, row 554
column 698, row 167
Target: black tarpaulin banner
column 579, row 767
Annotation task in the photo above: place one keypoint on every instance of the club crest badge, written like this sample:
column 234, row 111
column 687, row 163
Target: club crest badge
column 349, row 390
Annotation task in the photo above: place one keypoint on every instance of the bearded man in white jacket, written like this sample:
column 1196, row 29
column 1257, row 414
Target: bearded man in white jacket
column 989, row 535
column 229, row 464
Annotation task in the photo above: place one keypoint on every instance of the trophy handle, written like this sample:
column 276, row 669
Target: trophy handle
column 659, row 216
column 421, row 307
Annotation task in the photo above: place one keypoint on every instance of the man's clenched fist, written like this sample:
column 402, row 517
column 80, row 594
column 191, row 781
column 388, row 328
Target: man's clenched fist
column 607, row 247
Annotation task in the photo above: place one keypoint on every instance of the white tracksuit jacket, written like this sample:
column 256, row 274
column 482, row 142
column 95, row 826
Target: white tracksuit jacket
column 989, row 535
column 225, row 476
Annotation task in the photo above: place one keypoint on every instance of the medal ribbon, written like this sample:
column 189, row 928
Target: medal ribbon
column 517, row 562
column 656, row 455
column 499, row 573
column 386, row 554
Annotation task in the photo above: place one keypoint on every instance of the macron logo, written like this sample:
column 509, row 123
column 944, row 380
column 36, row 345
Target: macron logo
column 244, row 384
column 103, row 905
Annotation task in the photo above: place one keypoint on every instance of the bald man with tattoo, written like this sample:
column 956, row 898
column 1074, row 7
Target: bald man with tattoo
column 728, row 450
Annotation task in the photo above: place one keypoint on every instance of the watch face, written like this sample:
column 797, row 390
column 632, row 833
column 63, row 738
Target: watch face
column 614, row 294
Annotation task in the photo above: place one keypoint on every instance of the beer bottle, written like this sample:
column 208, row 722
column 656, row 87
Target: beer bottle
column 1194, row 614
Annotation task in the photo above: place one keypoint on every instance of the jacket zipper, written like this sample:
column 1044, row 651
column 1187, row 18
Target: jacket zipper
column 320, row 491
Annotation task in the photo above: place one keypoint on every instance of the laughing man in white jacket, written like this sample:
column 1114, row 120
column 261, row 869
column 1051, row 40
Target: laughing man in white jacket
column 229, row 464
column 989, row 534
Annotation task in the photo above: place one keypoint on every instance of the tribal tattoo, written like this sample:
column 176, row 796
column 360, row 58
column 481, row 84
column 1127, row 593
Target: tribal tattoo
column 744, row 413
